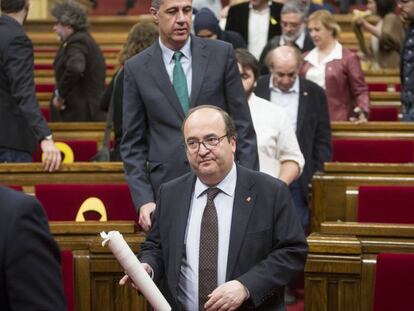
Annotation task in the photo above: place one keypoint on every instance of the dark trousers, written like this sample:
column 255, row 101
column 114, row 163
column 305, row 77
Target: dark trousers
column 300, row 201
column 12, row 155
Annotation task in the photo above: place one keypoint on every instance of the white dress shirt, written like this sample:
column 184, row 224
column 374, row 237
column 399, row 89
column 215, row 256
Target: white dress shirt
column 276, row 139
column 188, row 279
column 186, row 59
column 316, row 72
column 258, row 30
column 289, row 101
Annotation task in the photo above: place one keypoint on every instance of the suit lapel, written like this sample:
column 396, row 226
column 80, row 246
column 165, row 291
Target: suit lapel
column 182, row 203
column 244, row 201
column 157, row 69
column 199, row 55
column 303, row 102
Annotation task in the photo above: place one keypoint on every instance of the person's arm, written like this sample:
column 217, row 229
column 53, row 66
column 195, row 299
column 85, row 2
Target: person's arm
column 33, row 270
column 289, row 171
column 392, row 33
column 322, row 146
column 238, row 109
column 356, row 81
column 18, row 60
column 134, row 147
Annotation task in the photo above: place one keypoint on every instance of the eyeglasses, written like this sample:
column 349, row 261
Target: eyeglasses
column 193, row 145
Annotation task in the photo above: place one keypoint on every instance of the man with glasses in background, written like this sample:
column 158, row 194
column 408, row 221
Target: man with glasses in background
column 407, row 61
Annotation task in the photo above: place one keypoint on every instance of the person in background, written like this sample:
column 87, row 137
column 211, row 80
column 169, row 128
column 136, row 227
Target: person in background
column 278, row 148
column 29, row 256
column 293, row 22
column 22, row 125
column 141, row 36
column 79, row 67
column 206, row 25
column 257, row 21
column 224, row 236
column 387, row 35
column 214, row 5
column 407, row 61
column 305, row 104
column 337, row 70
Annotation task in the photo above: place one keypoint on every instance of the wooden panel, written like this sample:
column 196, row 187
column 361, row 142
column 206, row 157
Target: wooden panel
column 373, row 130
column 315, row 294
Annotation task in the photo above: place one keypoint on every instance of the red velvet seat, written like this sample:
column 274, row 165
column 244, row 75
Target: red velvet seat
column 45, row 88
column 383, row 114
column 15, row 187
column 377, row 87
column 386, row 204
column 394, row 282
column 46, row 113
column 68, row 278
column 83, row 150
column 43, row 66
column 372, row 150
column 62, row 202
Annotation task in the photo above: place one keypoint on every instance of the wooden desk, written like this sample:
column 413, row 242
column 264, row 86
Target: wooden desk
column 340, row 270
column 97, row 272
column 329, row 198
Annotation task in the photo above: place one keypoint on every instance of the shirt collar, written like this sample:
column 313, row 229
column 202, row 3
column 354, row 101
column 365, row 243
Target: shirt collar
column 269, row 4
column 313, row 56
column 167, row 54
column 227, row 185
column 300, row 41
column 293, row 89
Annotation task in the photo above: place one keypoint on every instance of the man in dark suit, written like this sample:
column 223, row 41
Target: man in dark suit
column 305, row 104
column 293, row 22
column 248, row 227
column 161, row 83
column 30, row 272
column 79, row 67
column 22, row 125
column 257, row 21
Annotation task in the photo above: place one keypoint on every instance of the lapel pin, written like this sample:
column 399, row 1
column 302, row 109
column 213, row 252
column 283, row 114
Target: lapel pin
column 305, row 93
column 248, row 199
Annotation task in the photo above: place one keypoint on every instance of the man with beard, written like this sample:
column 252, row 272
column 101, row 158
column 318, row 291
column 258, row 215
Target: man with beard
column 22, row 125
column 293, row 23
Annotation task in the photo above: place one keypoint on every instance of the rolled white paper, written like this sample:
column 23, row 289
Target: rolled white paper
column 133, row 268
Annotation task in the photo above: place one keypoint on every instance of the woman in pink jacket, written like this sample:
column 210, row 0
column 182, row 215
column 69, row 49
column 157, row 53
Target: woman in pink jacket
column 336, row 69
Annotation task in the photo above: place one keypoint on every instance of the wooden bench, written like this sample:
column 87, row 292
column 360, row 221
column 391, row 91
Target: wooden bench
column 340, row 269
column 329, row 189
column 30, row 174
column 374, row 130
column 97, row 272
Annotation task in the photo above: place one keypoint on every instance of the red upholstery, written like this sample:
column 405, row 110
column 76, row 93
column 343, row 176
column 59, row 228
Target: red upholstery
column 383, row 114
column 398, row 87
column 43, row 66
column 46, row 113
column 394, row 282
column 377, row 87
column 83, row 150
column 373, row 150
column 62, row 202
column 68, row 277
column 45, row 88
column 386, row 204
column 15, row 187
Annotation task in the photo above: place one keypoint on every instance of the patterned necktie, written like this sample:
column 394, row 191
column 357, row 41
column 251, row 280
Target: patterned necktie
column 207, row 268
column 180, row 82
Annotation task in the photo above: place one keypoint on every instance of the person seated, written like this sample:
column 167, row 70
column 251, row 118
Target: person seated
column 279, row 152
column 206, row 25
column 387, row 35
column 336, row 69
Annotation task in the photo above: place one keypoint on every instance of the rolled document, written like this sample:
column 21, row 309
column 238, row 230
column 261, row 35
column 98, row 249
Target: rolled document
column 133, row 268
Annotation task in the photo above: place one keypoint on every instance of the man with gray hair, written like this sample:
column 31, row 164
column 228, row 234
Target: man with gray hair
column 79, row 67
column 293, row 23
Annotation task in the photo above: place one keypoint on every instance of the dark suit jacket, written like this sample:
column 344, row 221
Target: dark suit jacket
column 238, row 20
column 313, row 128
column 22, row 124
column 30, row 273
column 80, row 78
column 152, row 114
column 267, row 246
